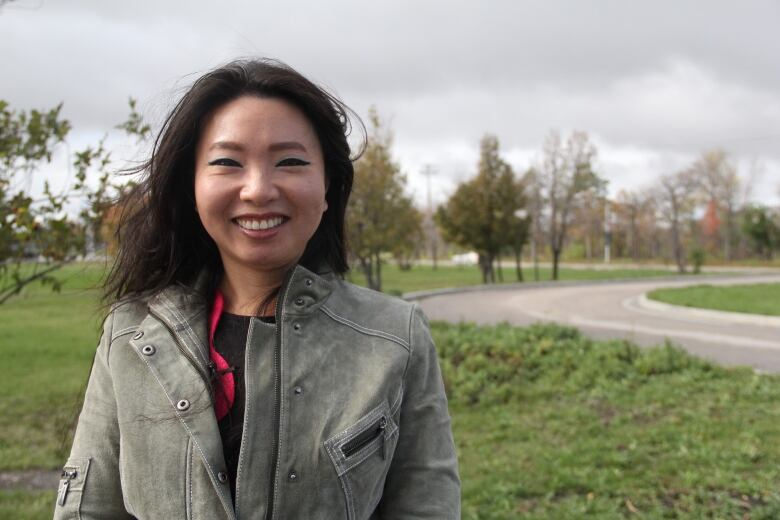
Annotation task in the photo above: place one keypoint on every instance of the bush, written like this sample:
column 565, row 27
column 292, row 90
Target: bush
column 498, row 364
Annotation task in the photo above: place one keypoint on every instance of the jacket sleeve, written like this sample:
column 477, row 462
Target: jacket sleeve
column 423, row 481
column 90, row 488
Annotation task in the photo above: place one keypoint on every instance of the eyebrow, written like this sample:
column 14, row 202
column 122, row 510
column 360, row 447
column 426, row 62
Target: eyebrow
column 287, row 145
column 226, row 145
column 275, row 147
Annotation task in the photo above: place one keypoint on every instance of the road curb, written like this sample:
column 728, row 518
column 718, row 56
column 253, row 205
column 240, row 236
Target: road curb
column 419, row 295
column 733, row 317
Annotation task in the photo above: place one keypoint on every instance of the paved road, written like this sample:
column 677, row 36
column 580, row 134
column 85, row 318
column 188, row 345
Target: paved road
column 614, row 310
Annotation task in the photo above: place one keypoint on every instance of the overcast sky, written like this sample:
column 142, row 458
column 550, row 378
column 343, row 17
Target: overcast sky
column 654, row 83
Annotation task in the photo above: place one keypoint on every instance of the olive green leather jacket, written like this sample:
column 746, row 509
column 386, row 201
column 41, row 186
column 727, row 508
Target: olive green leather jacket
column 345, row 415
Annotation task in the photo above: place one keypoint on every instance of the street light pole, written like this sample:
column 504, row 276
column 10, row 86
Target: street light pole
column 429, row 170
column 607, row 232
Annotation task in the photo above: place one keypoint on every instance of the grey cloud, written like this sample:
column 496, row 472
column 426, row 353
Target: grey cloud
column 667, row 77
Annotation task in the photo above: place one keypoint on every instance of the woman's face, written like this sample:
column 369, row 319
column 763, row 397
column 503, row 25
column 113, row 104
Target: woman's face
column 259, row 183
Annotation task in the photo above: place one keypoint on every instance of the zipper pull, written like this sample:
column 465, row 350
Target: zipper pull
column 62, row 492
column 382, row 426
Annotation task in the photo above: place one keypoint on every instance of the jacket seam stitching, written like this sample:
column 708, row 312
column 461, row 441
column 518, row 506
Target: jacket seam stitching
column 186, row 427
column 350, row 496
column 123, row 332
column 344, row 434
column 282, row 414
column 247, row 408
column 397, row 402
column 188, row 477
column 411, row 343
column 186, row 329
column 110, row 340
column 364, row 330
column 369, row 452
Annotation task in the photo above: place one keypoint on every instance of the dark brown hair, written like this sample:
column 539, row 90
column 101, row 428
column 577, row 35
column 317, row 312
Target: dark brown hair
column 160, row 236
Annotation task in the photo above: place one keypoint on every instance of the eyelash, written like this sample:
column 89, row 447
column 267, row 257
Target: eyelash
column 292, row 161
column 223, row 161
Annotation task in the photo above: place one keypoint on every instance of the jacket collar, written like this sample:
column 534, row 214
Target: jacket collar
column 184, row 308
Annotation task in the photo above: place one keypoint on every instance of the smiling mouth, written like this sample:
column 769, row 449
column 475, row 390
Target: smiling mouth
column 252, row 224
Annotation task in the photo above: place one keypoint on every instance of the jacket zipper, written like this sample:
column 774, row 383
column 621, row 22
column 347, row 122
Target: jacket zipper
column 68, row 474
column 186, row 352
column 277, row 394
column 365, row 438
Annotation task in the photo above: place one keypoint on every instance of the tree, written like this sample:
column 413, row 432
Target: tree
column 482, row 213
column 633, row 210
column 515, row 221
column 762, row 229
column 717, row 179
column 675, row 198
column 30, row 227
column 41, row 227
column 535, row 203
column 565, row 174
column 381, row 217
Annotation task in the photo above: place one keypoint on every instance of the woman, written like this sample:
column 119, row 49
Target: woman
column 239, row 376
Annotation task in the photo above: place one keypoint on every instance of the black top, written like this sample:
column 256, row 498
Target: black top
column 230, row 341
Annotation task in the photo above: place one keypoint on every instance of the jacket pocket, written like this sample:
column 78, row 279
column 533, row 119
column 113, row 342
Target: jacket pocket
column 71, row 488
column 361, row 455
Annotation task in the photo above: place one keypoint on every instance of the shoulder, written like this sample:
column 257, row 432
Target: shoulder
column 371, row 311
column 126, row 315
column 124, row 318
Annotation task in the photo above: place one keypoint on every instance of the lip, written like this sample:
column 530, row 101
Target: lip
column 260, row 216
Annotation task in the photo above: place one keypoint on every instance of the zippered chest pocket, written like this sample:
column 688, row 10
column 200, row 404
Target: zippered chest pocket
column 362, row 455
column 71, row 486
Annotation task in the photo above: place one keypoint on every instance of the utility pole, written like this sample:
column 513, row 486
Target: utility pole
column 428, row 171
column 607, row 232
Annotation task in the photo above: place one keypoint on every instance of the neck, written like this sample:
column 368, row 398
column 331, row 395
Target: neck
column 247, row 291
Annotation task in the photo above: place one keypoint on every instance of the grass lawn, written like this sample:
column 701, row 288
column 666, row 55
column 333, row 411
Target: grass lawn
column 548, row 424
column 552, row 425
column 753, row 299
column 27, row 505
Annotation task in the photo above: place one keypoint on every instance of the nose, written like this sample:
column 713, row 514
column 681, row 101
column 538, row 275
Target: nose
column 259, row 186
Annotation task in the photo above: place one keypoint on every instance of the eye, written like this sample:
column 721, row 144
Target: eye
column 292, row 161
column 225, row 161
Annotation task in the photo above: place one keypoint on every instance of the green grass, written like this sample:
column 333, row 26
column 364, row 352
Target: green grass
column 27, row 505
column 552, row 425
column 753, row 299
column 47, row 343
column 548, row 424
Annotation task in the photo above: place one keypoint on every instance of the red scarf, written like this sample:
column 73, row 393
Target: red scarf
column 225, row 385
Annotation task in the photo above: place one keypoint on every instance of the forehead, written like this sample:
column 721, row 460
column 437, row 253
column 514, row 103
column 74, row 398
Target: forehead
column 252, row 120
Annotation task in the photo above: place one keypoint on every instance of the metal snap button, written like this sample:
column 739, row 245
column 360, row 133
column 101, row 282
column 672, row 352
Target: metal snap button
column 148, row 350
column 299, row 301
column 297, row 326
column 182, row 405
column 222, row 477
column 292, row 476
column 138, row 335
column 298, row 390
column 308, row 282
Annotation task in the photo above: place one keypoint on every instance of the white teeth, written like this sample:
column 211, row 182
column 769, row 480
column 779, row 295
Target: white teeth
column 255, row 225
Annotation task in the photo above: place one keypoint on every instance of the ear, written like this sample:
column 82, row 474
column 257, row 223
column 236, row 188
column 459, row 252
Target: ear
column 325, row 202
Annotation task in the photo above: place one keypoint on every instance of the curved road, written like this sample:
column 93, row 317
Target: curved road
column 606, row 310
